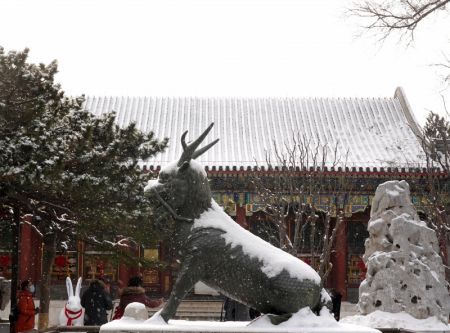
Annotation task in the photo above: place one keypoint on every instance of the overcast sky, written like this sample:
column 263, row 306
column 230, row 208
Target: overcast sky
column 250, row 48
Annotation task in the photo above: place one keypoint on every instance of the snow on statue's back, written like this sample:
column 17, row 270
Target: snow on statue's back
column 212, row 248
column 273, row 259
column 404, row 270
column 73, row 313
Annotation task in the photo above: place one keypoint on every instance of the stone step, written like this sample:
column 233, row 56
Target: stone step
column 208, row 306
column 198, row 317
column 187, row 309
column 196, row 310
column 201, row 305
column 183, row 311
column 186, row 314
column 348, row 309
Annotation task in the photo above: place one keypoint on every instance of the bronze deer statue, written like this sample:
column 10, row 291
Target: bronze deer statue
column 214, row 249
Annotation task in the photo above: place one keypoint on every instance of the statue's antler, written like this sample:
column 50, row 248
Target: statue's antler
column 189, row 151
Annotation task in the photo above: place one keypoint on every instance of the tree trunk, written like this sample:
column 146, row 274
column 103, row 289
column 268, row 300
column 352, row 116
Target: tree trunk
column 325, row 262
column 48, row 256
column 282, row 233
column 297, row 234
column 15, row 261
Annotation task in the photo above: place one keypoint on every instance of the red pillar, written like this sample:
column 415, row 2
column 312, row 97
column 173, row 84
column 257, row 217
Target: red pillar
column 25, row 252
column 124, row 275
column 240, row 216
column 36, row 256
column 340, row 261
column 80, row 259
column 30, row 252
column 126, row 271
column 134, row 271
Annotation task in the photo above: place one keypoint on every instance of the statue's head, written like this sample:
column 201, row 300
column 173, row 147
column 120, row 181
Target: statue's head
column 183, row 185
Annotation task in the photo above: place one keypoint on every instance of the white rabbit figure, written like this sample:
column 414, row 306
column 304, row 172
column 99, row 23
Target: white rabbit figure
column 73, row 313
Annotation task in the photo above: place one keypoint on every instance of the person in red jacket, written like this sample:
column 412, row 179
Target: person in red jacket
column 134, row 293
column 25, row 304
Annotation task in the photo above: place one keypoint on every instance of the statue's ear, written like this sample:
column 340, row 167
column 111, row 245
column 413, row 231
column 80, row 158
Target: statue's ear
column 184, row 166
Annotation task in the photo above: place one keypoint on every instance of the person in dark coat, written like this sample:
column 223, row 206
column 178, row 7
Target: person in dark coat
column 134, row 293
column 96, row 301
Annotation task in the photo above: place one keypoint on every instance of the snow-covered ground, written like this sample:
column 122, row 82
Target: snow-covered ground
column 377, row 319
column 382, row 319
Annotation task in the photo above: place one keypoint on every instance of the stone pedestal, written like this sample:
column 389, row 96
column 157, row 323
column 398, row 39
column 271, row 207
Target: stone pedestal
column 303, row 321
column 178, row 326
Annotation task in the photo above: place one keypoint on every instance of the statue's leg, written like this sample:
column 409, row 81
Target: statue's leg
column 186, row 279
column 278, row 319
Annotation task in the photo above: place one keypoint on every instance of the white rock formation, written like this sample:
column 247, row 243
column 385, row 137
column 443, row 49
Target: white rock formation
column 404, row 269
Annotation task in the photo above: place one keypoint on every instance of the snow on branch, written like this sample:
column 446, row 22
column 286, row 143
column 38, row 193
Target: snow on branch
column 125, row 242
column 26, row 220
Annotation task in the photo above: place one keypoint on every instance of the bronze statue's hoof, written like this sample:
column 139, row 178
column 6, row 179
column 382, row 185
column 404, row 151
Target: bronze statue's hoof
column 274, row 319
column 278, row 319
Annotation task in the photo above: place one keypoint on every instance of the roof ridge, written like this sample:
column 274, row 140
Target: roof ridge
column 161, row 97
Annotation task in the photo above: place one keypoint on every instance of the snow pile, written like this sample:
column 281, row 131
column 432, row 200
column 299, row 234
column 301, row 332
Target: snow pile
column 136, row 311
column 274, row 259
column 380, row 319
column 303, row 318
column 404, row 270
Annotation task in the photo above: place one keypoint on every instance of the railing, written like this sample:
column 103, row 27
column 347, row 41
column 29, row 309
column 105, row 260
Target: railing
column 96, row 329
column 58, row 329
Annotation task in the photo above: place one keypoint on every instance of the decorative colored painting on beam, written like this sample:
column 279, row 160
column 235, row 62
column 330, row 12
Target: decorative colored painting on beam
column 253, row 202
column 99, row 265
column 65, row 264
column 149, row 275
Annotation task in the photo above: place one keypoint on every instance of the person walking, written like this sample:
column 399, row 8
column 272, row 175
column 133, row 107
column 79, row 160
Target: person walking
column 134, row 293
column 96, row 301
column 26, row 308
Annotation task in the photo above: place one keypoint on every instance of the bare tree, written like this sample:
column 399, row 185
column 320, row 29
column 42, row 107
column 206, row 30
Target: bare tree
column 298, row 172
column 401, row 16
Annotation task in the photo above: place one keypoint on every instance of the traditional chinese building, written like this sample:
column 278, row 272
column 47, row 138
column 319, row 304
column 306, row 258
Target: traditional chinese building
column 376, row 140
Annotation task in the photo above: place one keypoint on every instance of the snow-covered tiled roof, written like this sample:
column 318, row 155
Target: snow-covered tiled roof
column 376, row 132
